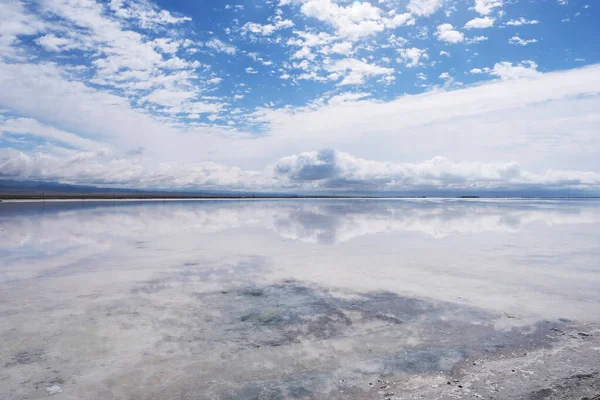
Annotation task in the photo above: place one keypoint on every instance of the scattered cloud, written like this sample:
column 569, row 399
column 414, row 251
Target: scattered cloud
column 485, row 22
column 521, row 42
column 220, row 46
column 412, row 57
column 424, row 8
column 485, row 7
column 237, row 89
column 506, row 70
column 357, row 20
column 476, row 39
column 522, row 21
column 327, row 169
column 267, row 29
column 355, row 71
column 447, row 33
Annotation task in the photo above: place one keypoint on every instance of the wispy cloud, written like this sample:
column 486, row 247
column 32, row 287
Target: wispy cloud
column 231, row 92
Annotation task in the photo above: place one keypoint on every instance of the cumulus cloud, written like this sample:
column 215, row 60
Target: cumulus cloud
column 51, row 42
column 108, row 77
column 424, row 7
column 319, row 170
column 485, row 7
column 485, row 22
column 357, row 20
column 447, row 33
column 267, row 29
column 412, row 57
column 99, row 168
column 507, row 71
column 127, row 56
column 127, row 47
column 556, row 113
column 333, row 169
column 355, row 71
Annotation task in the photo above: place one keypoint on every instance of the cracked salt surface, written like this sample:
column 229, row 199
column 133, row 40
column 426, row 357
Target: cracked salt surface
column 304, row 299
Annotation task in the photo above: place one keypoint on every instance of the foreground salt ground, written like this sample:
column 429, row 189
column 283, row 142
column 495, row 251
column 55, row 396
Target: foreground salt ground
column 206, row 302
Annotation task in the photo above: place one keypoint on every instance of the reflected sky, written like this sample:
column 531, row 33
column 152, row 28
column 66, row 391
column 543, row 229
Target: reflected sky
column 327, row 283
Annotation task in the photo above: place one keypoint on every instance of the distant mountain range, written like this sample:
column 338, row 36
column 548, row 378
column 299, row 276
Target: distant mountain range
column 13, row 189
column 38, row 189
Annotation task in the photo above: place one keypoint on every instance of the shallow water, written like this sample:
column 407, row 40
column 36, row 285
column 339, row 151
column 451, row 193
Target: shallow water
column 282, row 298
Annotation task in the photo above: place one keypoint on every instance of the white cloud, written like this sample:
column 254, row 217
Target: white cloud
column 167, row 45
column 145, row 14
column 155, row 75
column 15, row 22
column 334, row 169
column 29, row 126
column 123, row 50
column 506, row 70
column 355, row 71
column 479, row 70
column 310, row 39
column 354, row 21
column 485, row 7
column 521, row 42
column 304, row 52
column 522, row 21
column 267, row 29
column 51, row 42
column 476, row 39
column 220, row 46
column 387, row 80
column 463, row 124
column 313, row 76
column 485, row 22
column 318, row 170
column 115, row 55
column 169, row 98
column 556, row 115
column 101, row 169
column 412, row 57
column 447, row 33
column 84, row 110
column 424, row 7
column 340, row 48
column 345, row 97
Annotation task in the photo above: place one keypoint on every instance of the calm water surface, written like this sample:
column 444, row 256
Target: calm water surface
column 281, row 298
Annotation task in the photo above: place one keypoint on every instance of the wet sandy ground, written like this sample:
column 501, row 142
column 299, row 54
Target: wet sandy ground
column 197, row 312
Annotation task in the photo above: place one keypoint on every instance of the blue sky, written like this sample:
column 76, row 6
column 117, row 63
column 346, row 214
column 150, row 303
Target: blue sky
column 302, row 95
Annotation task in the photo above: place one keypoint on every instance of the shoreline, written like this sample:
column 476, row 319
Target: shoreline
column 38, row 199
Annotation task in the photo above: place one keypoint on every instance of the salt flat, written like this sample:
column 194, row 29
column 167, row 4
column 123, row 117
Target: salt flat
column 323, row 299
